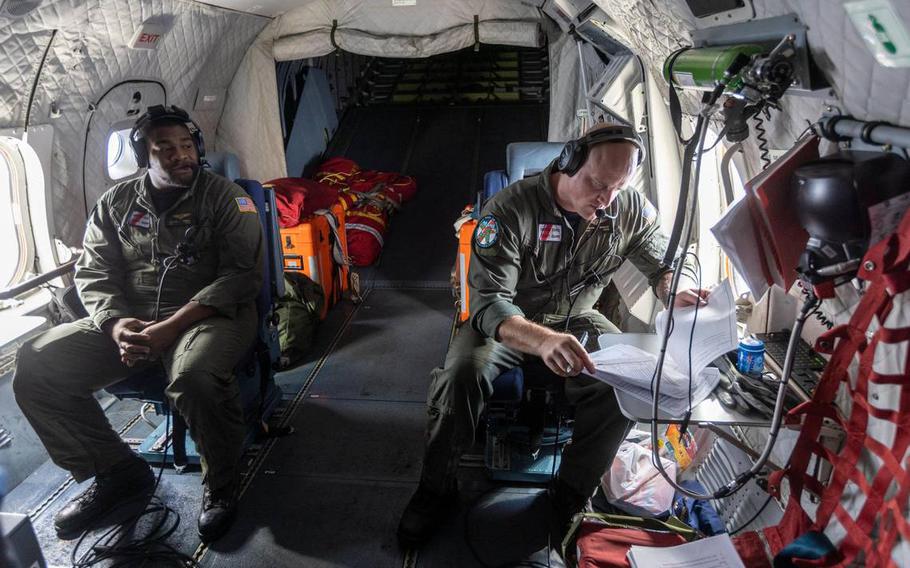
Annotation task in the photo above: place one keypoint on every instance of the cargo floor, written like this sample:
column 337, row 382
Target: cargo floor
column 331, row 493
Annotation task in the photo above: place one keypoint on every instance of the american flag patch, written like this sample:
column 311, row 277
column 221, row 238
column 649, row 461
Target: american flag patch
column 245, row 205
column 140, row 219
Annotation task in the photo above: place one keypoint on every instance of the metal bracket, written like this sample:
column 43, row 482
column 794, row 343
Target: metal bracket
column 768, row 32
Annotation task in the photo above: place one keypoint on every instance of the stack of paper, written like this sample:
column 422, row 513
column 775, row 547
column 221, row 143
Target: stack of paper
column 761, row 233
column 712, row 552
column 713, row 333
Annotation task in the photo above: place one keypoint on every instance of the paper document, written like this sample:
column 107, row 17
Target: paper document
column 712, row 552
column 715, row 330
column 677, row 407
column 735, row 235
column 631, row 369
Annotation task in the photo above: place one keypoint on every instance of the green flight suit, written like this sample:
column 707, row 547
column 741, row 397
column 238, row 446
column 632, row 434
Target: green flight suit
column 125, row 252
column 527, row 261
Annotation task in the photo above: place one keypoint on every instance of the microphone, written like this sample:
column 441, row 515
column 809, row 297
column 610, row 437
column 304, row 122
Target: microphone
column 186, row 251
column 600, row 213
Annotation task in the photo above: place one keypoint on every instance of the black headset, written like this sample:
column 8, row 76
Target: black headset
column 575, row 152
column 157, row 113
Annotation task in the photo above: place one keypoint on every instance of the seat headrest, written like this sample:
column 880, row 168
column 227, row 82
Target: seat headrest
column 224, row 164
column 525, row 159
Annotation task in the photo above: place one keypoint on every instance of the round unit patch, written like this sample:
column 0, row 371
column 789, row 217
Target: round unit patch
column 487, row 232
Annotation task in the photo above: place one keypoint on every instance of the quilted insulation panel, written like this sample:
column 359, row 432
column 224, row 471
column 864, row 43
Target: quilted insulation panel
column 90, row 57
column 861, row 86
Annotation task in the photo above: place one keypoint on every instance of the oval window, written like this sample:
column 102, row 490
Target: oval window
column 121, row 162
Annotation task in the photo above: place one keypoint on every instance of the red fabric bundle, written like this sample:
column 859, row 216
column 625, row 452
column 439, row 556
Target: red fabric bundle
column 371, row 197
column 297, row 198
column 602, row 547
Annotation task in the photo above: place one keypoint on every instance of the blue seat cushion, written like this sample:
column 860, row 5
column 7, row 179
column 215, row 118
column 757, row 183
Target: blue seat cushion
column 493, row 181
column 508, row 388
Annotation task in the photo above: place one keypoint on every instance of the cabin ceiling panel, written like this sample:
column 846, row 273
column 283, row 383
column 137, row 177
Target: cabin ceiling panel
column 427, row 27
column 90, row 56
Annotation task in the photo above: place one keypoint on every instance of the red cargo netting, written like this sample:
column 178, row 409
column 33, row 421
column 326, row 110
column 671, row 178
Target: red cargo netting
column 863, row 508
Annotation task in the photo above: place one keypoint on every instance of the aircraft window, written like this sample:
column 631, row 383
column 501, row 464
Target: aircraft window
column 711, row 204
column 120, row 159
column 12, row 259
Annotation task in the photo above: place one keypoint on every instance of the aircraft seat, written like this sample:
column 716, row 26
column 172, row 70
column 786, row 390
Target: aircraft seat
column 523, row 159
column 224, row 164
column 527, row 408
column 256, row 371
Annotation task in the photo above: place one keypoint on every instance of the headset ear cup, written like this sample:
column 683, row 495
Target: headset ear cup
column 577, row 158
column 564, row 156
column 571, row 157
column 200, row 144
column 140, row 151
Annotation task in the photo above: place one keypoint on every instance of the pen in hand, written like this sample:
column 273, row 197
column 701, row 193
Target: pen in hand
column 583, row 339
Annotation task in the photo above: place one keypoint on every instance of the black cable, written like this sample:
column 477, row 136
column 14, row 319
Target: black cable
column 584, row 238
column 720, row 136
column 761, row 136
column 31, row 95
column 817, row 312
column 739, row 482
column 116, row 544
column 685, row 423
column 755, row 516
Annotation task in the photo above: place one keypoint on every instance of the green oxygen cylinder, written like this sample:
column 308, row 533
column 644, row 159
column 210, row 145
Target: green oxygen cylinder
column 703, row 67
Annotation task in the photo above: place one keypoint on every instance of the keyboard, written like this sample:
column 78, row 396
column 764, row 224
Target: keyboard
column 807, row 364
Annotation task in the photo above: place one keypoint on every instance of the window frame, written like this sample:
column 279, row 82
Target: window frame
column 126, row 149
column 12, row 151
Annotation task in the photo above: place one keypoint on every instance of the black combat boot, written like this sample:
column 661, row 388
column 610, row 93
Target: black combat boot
column 565, row 503
column 129, row 480
column 425, row 512
column 219, row 507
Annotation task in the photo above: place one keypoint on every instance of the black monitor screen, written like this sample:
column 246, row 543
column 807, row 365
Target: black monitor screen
column 702, row 8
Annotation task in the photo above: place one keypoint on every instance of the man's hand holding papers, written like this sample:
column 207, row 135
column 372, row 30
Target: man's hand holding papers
column 631, row 369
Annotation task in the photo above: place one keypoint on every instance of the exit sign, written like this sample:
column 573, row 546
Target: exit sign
column 149, row 35
column 881, row 27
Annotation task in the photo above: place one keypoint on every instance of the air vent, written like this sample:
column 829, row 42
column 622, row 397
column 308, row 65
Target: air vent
column 18, row 8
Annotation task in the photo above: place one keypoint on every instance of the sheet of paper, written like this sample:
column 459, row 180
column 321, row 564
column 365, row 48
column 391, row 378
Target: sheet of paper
column 735, row 235
column 675, row 406
column 712, row 552
column 627, row 366
column 715, row 330
column 630, row 369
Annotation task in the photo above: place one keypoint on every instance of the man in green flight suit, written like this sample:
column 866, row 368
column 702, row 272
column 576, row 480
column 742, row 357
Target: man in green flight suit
column 170, row 269
column 542, row 252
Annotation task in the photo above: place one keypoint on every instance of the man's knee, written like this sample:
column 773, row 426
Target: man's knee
column 463, row 376
column 26, row 383
column 199, row 388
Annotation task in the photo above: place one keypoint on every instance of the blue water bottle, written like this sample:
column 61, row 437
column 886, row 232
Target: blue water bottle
column 751, row 358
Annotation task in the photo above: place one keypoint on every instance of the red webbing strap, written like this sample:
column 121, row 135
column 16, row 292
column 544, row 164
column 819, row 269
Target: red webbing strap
column 885, row 267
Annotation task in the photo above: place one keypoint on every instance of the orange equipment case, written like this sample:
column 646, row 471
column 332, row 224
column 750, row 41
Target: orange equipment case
column 307, row 248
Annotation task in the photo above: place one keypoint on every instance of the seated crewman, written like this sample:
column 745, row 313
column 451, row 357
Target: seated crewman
column 543, row 251
column 205, row 323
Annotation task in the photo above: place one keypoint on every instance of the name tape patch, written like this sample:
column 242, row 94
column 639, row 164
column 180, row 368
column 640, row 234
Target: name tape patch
column 140, row 219
column 549, row 233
